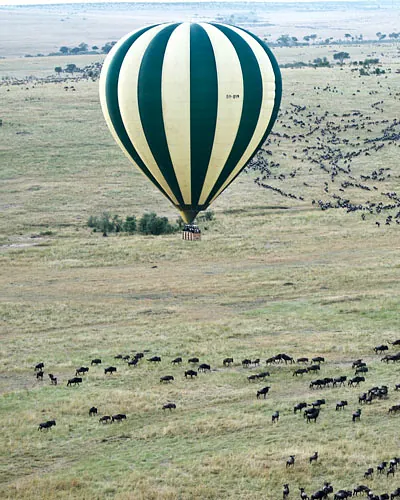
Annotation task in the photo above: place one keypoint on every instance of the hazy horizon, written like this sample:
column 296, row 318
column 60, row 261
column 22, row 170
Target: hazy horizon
column 52, row 2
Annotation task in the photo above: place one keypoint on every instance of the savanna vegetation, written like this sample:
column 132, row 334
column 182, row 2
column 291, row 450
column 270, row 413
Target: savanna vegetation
column 273, row 274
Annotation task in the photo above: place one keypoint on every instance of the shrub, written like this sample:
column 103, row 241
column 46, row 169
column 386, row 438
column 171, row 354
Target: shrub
column 130, row 224
column 150, row 223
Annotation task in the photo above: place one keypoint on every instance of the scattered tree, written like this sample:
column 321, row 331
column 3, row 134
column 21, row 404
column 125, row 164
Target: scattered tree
column 341, row 56
column 58, row 69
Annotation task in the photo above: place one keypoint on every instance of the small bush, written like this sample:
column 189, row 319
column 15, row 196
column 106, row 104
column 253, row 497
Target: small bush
column 130, row 224
column 150, row 223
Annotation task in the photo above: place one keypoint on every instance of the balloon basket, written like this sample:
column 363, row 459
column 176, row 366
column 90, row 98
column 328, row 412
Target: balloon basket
column 191, row 232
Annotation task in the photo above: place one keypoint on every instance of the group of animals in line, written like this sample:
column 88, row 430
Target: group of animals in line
column 324, row 492
column 337, row 145
column 311, row 411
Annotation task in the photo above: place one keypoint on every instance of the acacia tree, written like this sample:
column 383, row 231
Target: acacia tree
column 58, row 69
column 341, row 56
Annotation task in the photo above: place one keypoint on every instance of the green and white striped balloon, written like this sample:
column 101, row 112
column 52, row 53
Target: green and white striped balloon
column 190, row 104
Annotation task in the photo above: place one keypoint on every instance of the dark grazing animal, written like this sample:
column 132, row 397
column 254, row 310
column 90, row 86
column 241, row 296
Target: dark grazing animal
column 356, row 415
column 118, row 417
column 299, row 407
column 39, row 367
column 303, row 494
column 311, row 414
column 368, row 473
column 227, row 361
column 286, row 491
column 133, row 362
column 313, row 457
column 74, row 381
column 339, row 380
column 246, row 363
column 361, row 369
column 53, row 379
column 110, row 369
column 190, row 373
column 46, row 425
column 92, row 411
column 394, row 409
column 342, row 494
column 300, row 371
column 176, row 361
column 81, row 370
column 167, row 378
column 356, row 380
column 105, row 419
column 155, row 359
column 275, row 417
column 290, row 461
column 313, row 368
column 381, row 467
column 193, row 360
column 96, row 361
column 302, row 360
column 360, row 489
column 263, row 392
column 39, row 375
column 341, row 404
column 380, row 348
column 204, row 367
column 169, row 406
column 318, row 359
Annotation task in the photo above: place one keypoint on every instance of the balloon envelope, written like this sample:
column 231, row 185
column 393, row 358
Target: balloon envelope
column 190, row 104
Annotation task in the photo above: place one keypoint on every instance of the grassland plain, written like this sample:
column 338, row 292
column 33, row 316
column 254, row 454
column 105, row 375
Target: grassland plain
column 270, row 275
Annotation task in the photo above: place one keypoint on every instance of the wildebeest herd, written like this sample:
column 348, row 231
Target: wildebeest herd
column 342, row 146
column 311, row 411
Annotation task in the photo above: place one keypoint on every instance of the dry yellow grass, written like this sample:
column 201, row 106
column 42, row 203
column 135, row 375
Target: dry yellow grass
column 263, row 280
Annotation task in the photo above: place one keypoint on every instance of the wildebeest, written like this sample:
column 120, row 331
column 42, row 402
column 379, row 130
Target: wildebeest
column 341, row 404
column 394, row 409
column 299, row 407
column 311, row 414
column 342, row 494
column 313, row 368
column 339, row 380
column 110, row 369
column 380, row 348
column 302, row 360
column 193, row 360
column 381, row 467
column 263, row 392
column 360, row 489
column 318, row 359
column 204, row 367
column 303, row 494
column 361, row 369
column 318, row 403
column 190, row 373
column 286, row 491
column 290, row 461
column 105, row 419
column 81, row 370
column 356, row 415
column 300, row 371
column 118, row 417
column 169, row 406
column 313, row 457
column 46, row 425
column 39, row 367
column 356, row 380
column 275, row 417
column 167, row 378
column 53, row 379
column 133, row 362
column 227, row 361
column 39, row 375
column 368, row 473
column 154, row 359
column 92, row 411
column 246, row 363
column 96, row 361
column 74, row 381
column 176, row 361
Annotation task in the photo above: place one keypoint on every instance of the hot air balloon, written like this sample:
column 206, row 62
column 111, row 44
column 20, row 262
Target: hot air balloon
column 190, row 104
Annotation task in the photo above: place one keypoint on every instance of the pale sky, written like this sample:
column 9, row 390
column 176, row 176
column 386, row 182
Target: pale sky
column 36, row 2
